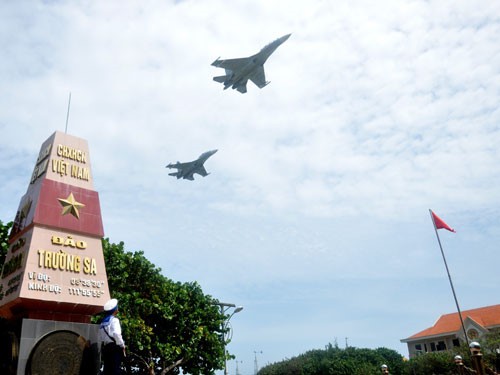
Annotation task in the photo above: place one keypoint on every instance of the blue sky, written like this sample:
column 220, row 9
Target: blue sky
column 315, row 214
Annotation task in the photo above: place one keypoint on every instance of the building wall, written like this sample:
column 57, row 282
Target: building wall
column 434, row 344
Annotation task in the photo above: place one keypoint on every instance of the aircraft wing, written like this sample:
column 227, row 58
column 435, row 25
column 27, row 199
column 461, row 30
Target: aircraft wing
column 259, row 77
column 231, row 64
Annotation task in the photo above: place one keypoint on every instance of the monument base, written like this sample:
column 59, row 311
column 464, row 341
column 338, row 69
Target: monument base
column 54, row 347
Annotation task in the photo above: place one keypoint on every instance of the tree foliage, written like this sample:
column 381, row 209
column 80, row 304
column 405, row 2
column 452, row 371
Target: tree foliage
column 355, row 361
column 167, row 325
column 439, row 363
column 490, row 348
column 4, row 247
column 335, row 361
column 4, row 241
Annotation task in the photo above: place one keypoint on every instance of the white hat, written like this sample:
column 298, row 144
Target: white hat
column 383, row 367
column 474, row 345
column 111, row 305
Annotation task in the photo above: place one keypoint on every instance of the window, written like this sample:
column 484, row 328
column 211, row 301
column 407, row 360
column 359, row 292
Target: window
column 456, row 343
column 433, row 347
column 441, row 346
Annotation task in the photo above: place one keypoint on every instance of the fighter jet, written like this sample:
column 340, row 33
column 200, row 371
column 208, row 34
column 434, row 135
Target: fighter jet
column 186, row 170
column 239, row 71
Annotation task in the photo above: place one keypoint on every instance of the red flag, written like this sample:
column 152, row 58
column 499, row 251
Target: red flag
column 440, row 224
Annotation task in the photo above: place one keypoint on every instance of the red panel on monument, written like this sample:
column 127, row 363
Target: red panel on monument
column 84, row 216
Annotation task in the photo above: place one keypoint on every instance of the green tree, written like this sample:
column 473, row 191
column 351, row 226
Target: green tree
column 439, row 363
column 167, row 325
column 490, row 347
column 4, row 241
column 4, row 247
column 335, row 361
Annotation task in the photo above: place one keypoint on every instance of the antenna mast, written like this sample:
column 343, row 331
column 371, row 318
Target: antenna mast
column 255, row 363
column 67, row 115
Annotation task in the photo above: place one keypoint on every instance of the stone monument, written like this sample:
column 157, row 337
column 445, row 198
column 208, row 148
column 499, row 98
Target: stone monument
column 54, row 278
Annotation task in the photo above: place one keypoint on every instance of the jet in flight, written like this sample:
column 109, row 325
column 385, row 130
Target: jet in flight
column 239, row 71
column 186, row 170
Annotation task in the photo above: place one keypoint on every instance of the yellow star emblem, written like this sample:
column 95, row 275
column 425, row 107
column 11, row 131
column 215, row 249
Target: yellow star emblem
column 70, row 206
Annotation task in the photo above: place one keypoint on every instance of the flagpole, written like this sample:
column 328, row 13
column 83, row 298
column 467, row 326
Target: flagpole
column 449, row 278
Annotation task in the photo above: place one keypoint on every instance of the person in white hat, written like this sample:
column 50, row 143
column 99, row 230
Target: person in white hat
column 461, row 368
column 110, row 334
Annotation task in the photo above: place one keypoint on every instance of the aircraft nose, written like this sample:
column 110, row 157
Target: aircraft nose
column 285, row 37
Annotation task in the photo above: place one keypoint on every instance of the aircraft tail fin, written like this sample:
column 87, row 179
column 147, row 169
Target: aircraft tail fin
column 220, row 79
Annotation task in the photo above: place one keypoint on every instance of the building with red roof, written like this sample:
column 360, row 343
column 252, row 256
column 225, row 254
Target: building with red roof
column 447, row 332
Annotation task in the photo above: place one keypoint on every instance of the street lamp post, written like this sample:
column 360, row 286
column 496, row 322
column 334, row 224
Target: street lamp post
column 224, row 307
